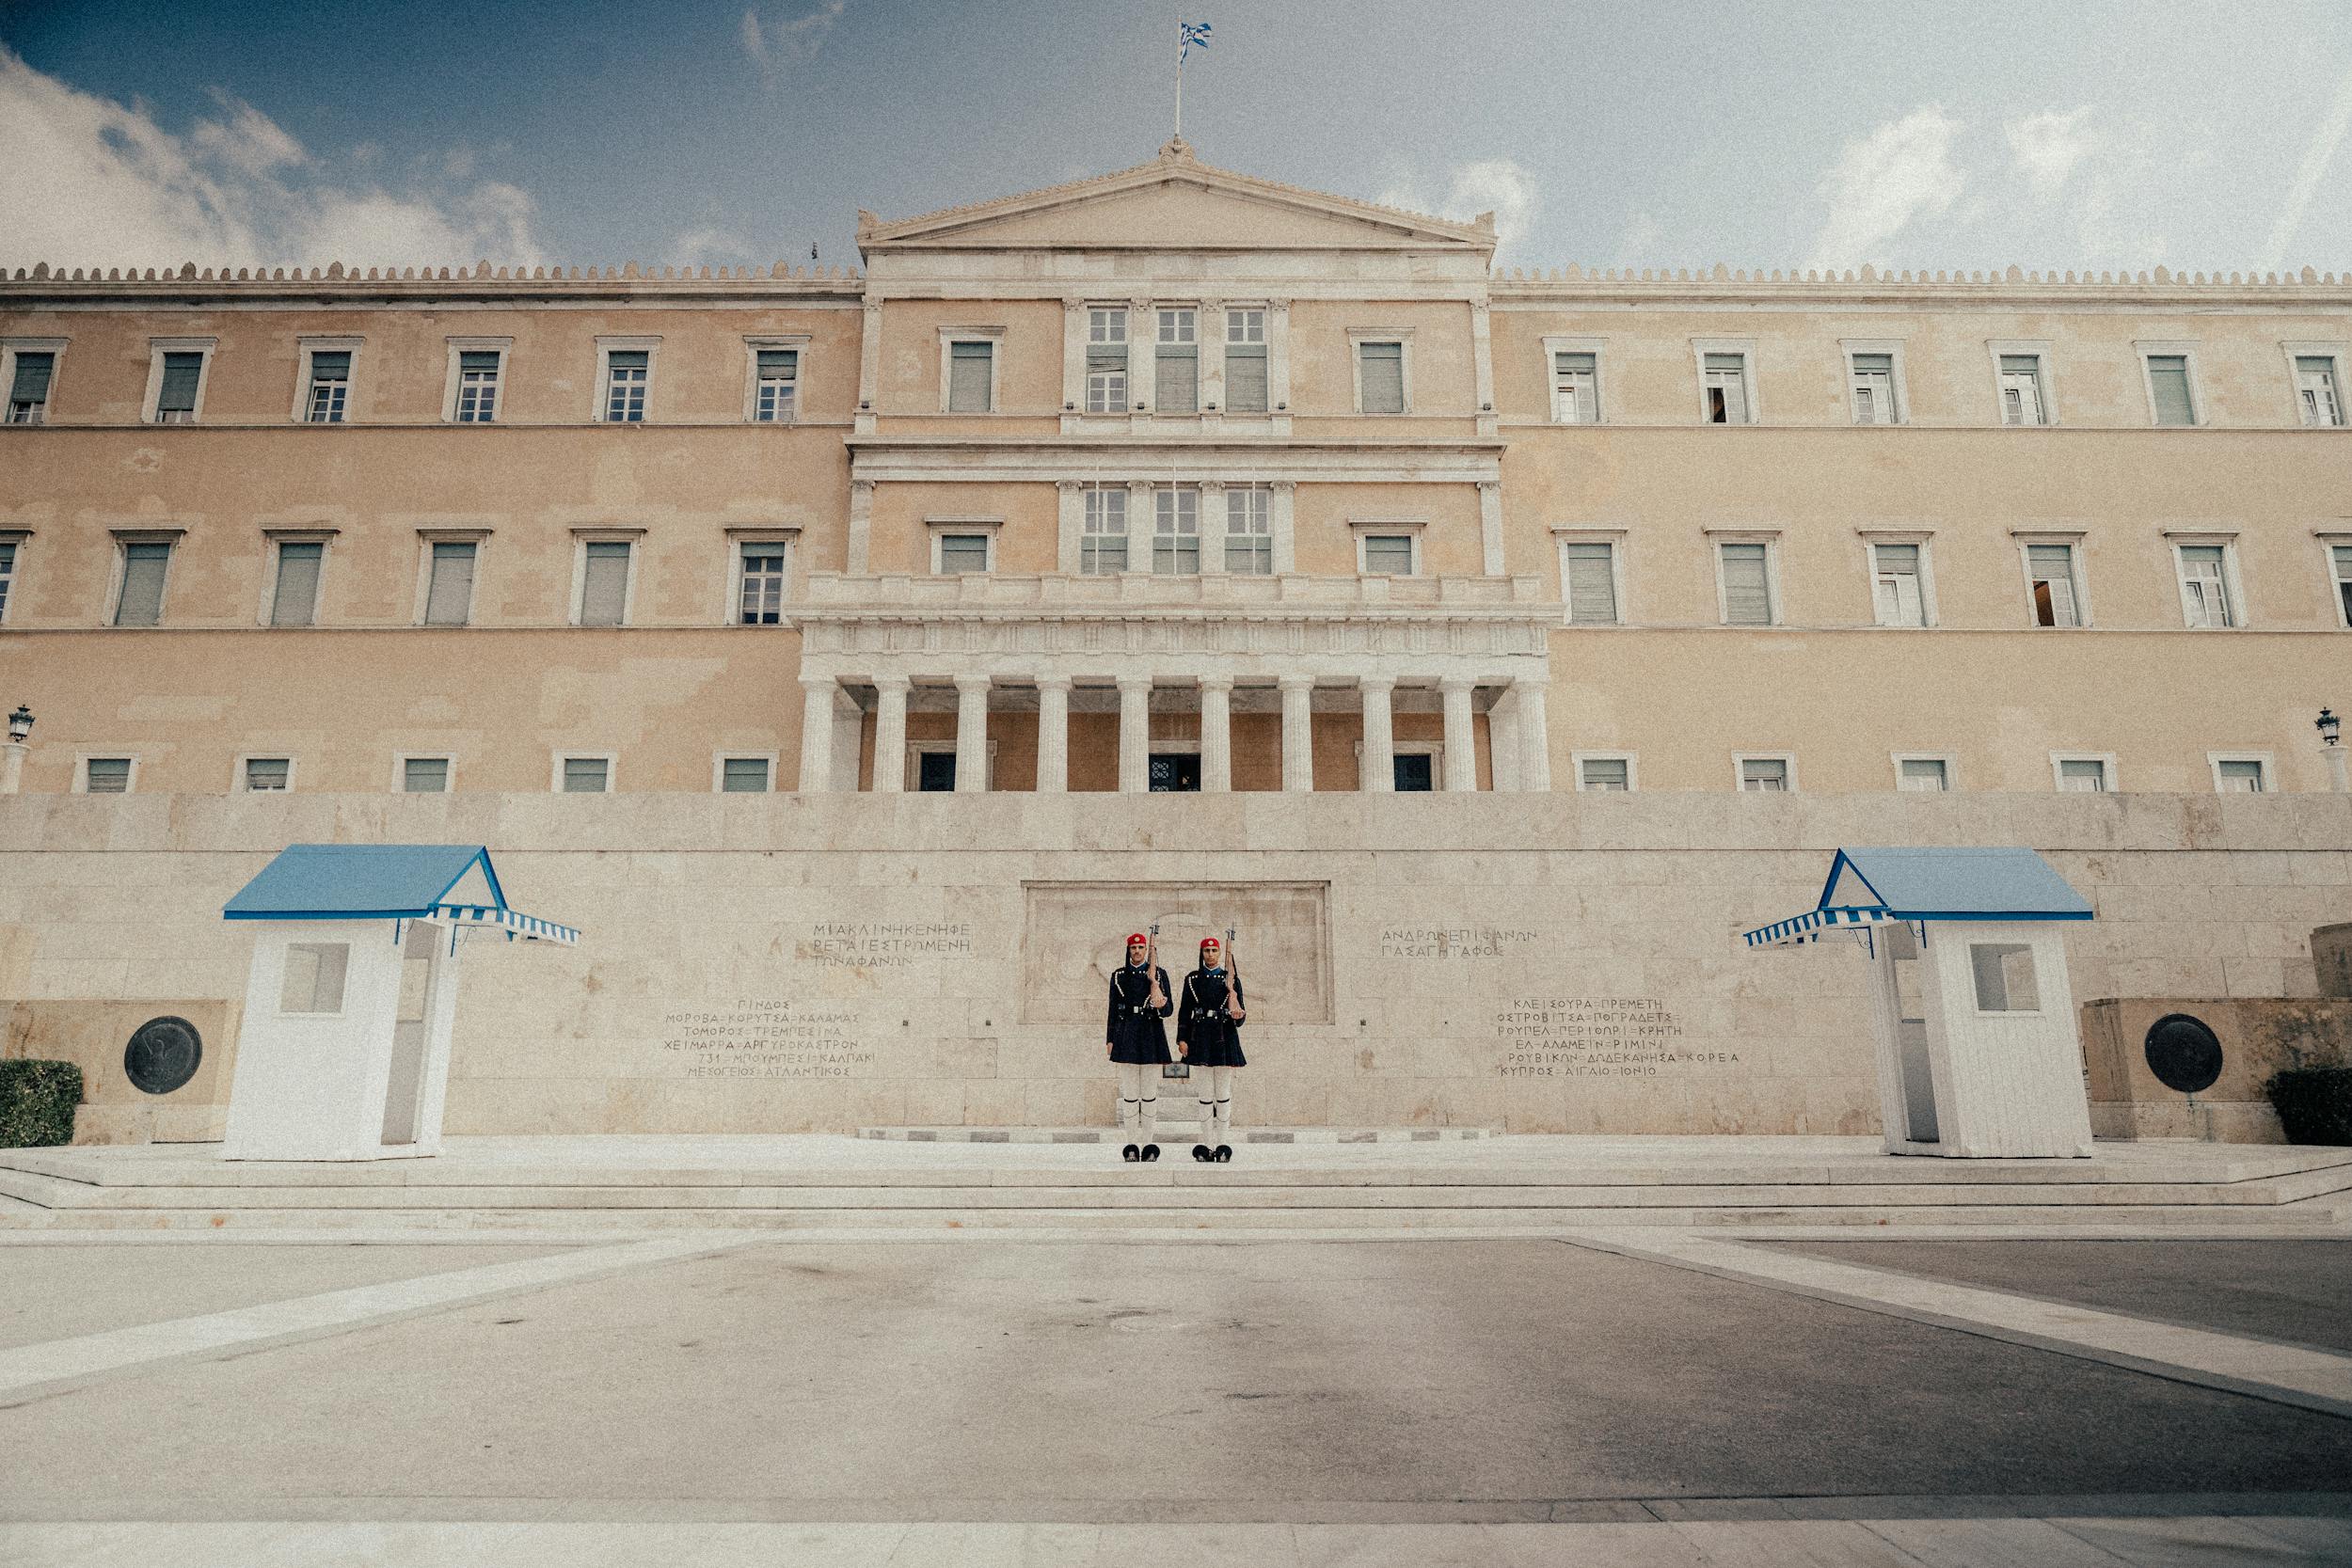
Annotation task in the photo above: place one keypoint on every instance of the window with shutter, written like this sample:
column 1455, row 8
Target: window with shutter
column 1176, row 364
column 625, row 372
column 425, row 775
column 587, row 775
column 604, row 583
column 106, row 776
column 2315, row 390
column 478, row 386
column 2239, row 776
column 1249, row 531
column 1874, row 388
column 1726, row 389
column 2168, row 385
column 1388, row 555
column 1103, row 545
column 1605, row 773
column 1245, row 361
column 1106, row 359
column 1930, row 775
column 175, row 399
column 776, row 398
column 449, row 590
column 962, row 552
column 7, row 577
column 1576, row 387
column 2050, row 576
column 759, row 602
column 2021, row 389
column 1176, row 532
column 1382, row 369
column 970, row 377
column 144, row 568
column 2204, row 586
column 743, row 776
column 2339, row 554
column 1897, row 585
column 28, row 390
column 1764, row 775
column 1592, row 584
column 295, row 601
column 2082, row 775
column 268, row 775
column 1747, row 585
column 330, row 384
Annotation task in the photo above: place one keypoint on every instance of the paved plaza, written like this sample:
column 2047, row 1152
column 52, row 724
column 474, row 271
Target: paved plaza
column 2059, row 1392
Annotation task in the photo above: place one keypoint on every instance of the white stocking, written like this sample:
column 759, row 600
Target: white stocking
column 1221, row 1086
column 1131, row 1092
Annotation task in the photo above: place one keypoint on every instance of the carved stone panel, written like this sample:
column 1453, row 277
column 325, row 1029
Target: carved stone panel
column 1072, row 936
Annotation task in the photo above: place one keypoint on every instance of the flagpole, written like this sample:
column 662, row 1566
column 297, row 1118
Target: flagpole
column 1180, row 76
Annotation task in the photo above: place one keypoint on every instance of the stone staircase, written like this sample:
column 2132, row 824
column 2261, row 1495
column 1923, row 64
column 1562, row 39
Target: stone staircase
column 1492, row 1185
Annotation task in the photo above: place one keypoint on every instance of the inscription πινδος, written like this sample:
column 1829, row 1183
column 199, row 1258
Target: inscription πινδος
column 1605, row 1037
column 766, row 1037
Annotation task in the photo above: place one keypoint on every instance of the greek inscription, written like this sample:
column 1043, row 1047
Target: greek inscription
column 884, row 943
column 1612, row 1037
column 1451, row 941
column 765, row 1038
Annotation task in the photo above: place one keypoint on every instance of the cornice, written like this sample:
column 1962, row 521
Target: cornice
column 391, row 285
column 2160, row 286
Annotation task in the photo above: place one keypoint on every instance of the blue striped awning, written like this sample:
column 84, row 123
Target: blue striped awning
column 1870, row 887
column 455, row 883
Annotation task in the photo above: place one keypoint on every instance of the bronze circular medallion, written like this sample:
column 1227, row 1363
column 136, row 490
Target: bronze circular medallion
column 2184, row 1052
column 163, row 1055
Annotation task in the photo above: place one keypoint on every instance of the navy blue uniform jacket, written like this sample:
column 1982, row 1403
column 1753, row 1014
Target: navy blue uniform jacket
column 1203, row 1024
column 1135, row 1032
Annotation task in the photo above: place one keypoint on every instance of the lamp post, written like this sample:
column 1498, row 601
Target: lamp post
column 12, row 757
column 2339, row 760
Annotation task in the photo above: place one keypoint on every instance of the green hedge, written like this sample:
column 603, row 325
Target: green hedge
column 2315, row 1104
column 37, row 1100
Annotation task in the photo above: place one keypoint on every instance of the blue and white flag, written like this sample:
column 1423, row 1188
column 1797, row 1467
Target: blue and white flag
column 1190, row 35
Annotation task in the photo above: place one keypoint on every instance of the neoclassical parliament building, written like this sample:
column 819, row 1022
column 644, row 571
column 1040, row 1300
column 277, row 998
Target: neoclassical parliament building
column 1485, row 645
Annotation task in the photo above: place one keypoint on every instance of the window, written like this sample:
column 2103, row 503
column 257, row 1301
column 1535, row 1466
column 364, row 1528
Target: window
column 425, row 775
column 478, row 372
column 1102, row 548
column 1576, row 387
column 962, row 552
column 583, row 775
column 2339, row 557
column 744, row 775
column 1249, row 531
column 1764, row 775
column 1895, row 585
column 934, row 772
column 2315, row 392
column 330, row 387
column 2169, row 393
column 604, row 582
column 1413, row 772
column 294, row 602
column 2050, row 581
column 1871, row 378
column 2084, row 775
column 1724, row 389
column 2004, row 977
column 1176, row 532
column 140, row 602
column 1923, row 775
column 1176, row 363
column 28, row 389
column 1388, row 555
column 7, row 576
column 1604, row 774
column 2205, row 586
column 626, row 372
column 1747, row 584
column 775, row 393
column 449, row 584
column 760, row 592
column 1380, row 377
column 2241, row 775
column 970, row 377
column 313, row 981
column 2022, row 399
column 1245, row 361
column 106, row 775
column 176, row 392
column 1106, row 359
column 266, row 775
column 1591, row 571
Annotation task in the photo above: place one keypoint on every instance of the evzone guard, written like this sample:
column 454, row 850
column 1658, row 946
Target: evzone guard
column 1137, row 1041
column 1208, row 1035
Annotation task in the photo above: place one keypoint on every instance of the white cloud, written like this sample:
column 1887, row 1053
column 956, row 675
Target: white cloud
column 1883, row 182
column 2049, row 147
column 90, row 182
column 2326, row 142
column 710, row 243
column 1499, row 186
column 784, row 41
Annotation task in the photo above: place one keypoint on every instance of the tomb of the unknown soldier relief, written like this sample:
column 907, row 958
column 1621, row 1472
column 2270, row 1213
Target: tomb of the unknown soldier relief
column 851, row 656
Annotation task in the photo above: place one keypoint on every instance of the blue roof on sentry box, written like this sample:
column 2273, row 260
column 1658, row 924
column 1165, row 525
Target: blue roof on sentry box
column 358, row 882
column 1962, row 883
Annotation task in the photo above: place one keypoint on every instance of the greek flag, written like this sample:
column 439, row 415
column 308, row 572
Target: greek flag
column 1190, row 35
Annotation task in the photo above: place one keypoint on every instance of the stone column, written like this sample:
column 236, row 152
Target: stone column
column 1053, row 734
column 890, row 735
column 1299, row 735
column 12, row 766
column 868, row 371
column 816, row 699
column 1135, row 734
column 1461, row 757
column 971, row 734
column 1535, row 735
column 1143, row 331
column 1490, row 526
column 1379, row 763
column 2339, row 773
column 861, row 526
column 1217, row 735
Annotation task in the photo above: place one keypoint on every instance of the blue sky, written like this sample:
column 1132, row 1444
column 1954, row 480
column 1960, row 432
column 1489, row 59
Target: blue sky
column 2182, row 132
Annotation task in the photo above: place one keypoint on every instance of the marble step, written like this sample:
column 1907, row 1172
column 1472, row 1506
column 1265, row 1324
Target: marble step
column 1168, row 1129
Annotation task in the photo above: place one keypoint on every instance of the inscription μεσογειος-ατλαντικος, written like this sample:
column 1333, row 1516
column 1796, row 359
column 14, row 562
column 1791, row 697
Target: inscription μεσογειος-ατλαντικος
column 766, row 1037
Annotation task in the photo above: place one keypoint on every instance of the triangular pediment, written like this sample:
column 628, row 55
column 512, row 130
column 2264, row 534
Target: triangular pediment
column 1174, row 203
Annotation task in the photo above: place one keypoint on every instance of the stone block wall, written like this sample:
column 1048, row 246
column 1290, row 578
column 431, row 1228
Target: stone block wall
column 771, row 963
